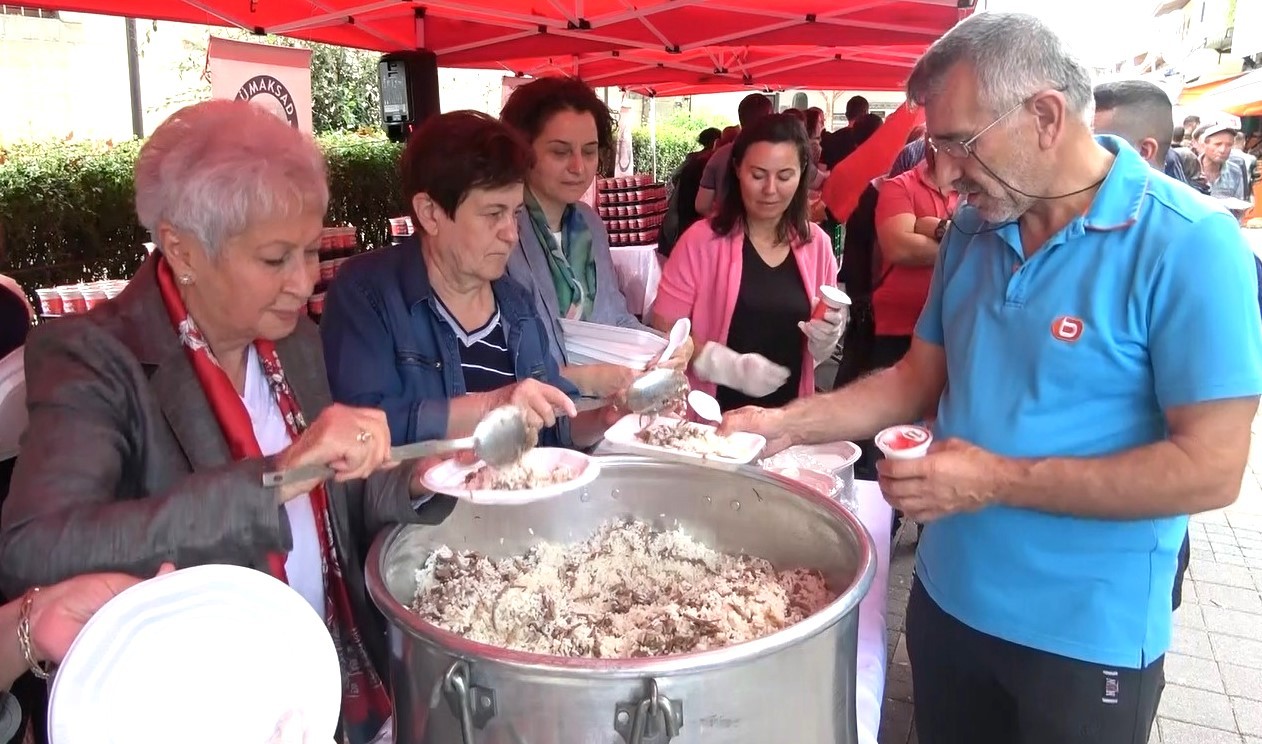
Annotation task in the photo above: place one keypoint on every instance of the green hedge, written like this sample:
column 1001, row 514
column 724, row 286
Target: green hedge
column 676, row 137
column 67, row 213
column 364, row 186
column 673, row 145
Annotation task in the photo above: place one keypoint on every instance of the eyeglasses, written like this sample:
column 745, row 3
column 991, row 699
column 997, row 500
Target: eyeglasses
column 962, row 150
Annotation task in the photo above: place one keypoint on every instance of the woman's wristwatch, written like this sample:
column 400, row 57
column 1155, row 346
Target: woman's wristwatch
column 940, row 231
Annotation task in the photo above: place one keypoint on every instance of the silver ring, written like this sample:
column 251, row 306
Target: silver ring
column 363, row 436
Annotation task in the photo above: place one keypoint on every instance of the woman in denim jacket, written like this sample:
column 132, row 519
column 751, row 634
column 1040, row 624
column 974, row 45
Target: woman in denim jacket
column 430, row 330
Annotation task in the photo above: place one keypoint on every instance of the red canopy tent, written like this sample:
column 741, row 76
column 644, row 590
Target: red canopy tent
column 718, row 69
column 485, row 33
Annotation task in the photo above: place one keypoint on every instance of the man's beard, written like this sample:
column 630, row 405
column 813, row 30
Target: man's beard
column 1006, row 206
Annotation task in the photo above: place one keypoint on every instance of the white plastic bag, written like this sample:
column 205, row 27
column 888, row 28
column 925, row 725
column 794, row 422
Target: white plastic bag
column 827, row 468
column 806, row 470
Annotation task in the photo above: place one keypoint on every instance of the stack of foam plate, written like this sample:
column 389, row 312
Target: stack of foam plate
column 211, row 654
column 592, row 343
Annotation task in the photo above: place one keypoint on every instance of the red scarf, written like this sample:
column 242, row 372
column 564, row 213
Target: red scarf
column 365, row 703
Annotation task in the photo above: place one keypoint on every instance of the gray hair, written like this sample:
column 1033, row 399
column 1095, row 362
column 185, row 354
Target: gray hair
column 1015, row 55
column 216, row 167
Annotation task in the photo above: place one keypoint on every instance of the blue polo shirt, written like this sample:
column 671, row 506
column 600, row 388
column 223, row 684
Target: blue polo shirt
column 1147, row 303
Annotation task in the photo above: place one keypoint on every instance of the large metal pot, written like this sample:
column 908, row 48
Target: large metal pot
column 793, row 687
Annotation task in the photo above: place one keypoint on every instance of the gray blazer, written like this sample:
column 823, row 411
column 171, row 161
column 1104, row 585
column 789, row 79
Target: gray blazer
column 123, row 465
column 529, row 266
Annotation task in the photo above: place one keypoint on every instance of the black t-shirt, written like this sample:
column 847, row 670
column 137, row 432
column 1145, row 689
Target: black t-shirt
column 689, row 184
column 15, row 321
column 837, row 146
column 484, row 358
column 769, row 305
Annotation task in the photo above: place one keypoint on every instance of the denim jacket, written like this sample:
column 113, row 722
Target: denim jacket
column 386, row 346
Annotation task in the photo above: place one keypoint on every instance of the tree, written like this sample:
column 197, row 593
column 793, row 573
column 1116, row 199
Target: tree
column 831, row 97
column 345, row 90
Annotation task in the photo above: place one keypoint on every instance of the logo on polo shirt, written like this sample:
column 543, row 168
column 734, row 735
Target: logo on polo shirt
column 1067, row 328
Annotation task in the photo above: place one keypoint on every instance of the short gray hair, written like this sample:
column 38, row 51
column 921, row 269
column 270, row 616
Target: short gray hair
column 1015, row 55
column 216, row 167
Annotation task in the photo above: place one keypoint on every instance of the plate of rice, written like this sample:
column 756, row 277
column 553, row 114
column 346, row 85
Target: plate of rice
column 542, row 473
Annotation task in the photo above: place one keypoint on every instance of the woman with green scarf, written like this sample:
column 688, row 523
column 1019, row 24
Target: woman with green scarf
column 564, row 249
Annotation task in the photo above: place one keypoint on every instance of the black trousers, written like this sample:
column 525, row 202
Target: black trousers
column 973, row 688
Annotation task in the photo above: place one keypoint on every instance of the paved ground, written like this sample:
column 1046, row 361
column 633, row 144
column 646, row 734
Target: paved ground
column 1213, row 689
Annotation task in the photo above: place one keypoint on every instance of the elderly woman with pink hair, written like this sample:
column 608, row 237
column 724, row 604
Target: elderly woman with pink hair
column 154, row 416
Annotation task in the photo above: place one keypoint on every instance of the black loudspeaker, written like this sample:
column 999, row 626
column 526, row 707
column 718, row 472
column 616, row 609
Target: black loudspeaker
column 409, row 91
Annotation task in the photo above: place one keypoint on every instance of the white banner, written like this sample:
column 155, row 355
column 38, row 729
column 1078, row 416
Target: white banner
column 273, row 76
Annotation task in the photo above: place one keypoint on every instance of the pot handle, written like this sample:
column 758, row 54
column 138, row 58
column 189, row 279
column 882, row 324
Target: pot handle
column 473, row 706
column 638, row 723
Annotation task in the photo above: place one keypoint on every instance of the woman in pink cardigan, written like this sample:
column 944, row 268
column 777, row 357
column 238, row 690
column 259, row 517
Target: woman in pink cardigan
column 749, row 277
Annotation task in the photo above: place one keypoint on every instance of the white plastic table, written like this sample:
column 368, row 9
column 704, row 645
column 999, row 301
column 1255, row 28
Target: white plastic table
column 870, row 663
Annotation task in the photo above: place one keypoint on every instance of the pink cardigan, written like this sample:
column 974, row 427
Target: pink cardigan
column 703, row 276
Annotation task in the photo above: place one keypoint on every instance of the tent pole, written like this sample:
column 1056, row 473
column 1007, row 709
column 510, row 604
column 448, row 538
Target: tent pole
column 653, row 132
column 133, row 80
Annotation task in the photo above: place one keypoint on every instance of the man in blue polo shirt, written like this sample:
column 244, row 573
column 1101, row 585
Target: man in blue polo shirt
column 1095, row 371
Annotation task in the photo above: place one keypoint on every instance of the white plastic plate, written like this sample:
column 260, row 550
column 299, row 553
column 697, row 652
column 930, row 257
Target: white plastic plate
column 744, row 447
column 598, row 332
column 608, row 355
column 613, row 340
column 205, row 655
column 449, row 477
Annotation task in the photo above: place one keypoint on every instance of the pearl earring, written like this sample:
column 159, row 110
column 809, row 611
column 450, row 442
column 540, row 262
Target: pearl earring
column 186, row 279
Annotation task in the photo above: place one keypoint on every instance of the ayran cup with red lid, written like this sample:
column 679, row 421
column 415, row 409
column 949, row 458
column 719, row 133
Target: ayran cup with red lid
column 830, row 298
column 904, row 442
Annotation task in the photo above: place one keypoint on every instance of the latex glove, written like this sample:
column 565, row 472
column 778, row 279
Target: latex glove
column 752, row 374
column 823, row 334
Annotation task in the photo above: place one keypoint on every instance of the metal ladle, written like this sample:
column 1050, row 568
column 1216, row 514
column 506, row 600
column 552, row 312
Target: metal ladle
column 501, row 438
column 651, row 392
column 656, row 390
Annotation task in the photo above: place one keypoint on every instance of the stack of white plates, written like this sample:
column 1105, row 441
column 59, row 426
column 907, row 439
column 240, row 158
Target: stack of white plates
column 211, row 654
column 592, row 343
